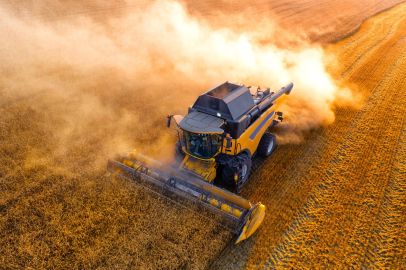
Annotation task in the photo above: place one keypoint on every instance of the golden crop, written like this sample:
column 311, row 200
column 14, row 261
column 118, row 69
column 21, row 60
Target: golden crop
column 337, row 199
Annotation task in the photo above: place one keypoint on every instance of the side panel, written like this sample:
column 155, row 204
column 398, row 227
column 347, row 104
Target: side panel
column 199, row 168
column 251, row 137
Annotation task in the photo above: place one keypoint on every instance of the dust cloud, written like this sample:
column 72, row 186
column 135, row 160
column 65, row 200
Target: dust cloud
column 81, row 81
column 107, row 84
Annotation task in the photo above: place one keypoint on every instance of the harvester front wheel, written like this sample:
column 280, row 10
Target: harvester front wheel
column 266, row 145
column 242, row 167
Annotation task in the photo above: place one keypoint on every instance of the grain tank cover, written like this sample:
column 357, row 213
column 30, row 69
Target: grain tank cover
column 227, row 101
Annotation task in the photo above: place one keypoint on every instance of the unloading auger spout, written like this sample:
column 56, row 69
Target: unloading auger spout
column 232, row 211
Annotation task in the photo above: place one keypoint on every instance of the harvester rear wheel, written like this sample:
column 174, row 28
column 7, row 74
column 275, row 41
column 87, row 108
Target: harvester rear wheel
column 266, row 145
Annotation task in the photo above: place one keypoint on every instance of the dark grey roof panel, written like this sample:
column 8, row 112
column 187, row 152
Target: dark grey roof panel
column 193, row 114
column 209, row 120
column 201, row 123
column 201, row 116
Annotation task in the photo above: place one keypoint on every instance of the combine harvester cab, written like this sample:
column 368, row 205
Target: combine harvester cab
column 222, row 131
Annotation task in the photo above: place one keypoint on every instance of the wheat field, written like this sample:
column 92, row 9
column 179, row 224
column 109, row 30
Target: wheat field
column 335, row 200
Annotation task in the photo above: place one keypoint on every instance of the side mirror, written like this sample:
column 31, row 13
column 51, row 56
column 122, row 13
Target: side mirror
column 169, row 121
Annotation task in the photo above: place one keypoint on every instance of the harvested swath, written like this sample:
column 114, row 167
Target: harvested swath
column 337, row 200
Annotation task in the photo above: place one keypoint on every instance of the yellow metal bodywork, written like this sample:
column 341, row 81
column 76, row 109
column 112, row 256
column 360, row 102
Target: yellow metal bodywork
column 249, row 140
column 253, row 222
column 205, row 170
column 244, row 142
column 224, row 207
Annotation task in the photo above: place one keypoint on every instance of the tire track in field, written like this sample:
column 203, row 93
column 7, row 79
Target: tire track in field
column 375, row 176
column 388, row 238
column 307, row 221
column 372, row 34
column 343, row 157
column 280, row 194
column 388, row 235
column 362, row 190
column 381, row 36
column 362, row 35
column 381, row 64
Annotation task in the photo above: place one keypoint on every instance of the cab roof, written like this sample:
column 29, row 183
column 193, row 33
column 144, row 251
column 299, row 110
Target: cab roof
column 198, row 122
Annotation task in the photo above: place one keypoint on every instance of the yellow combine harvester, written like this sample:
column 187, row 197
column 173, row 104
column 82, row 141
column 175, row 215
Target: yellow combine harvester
column 222, row 131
